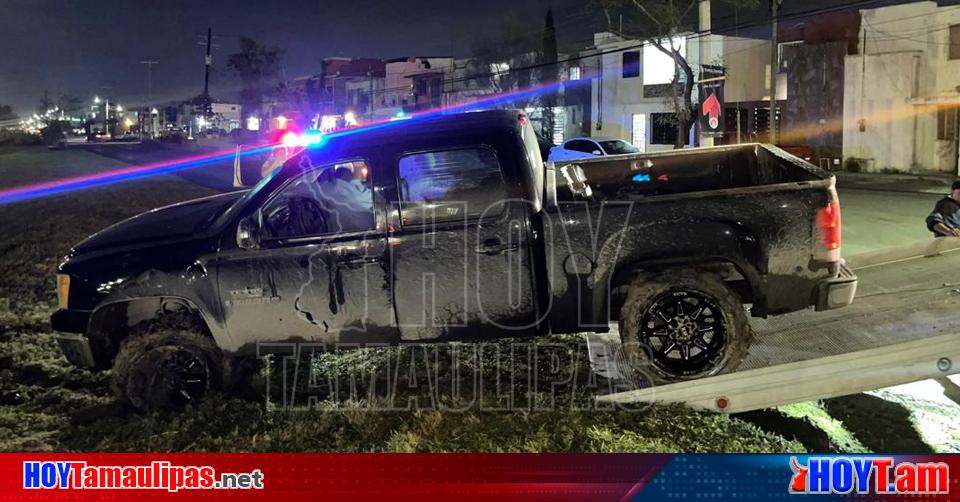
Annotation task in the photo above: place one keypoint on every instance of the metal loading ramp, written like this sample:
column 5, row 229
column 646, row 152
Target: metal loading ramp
column 904, row 326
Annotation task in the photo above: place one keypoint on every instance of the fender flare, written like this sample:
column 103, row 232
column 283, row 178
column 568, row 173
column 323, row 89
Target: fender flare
column 112, row 318
column 728, row 243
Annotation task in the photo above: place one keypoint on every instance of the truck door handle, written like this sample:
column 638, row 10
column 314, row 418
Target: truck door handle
column 495, row 246
column 357, row 261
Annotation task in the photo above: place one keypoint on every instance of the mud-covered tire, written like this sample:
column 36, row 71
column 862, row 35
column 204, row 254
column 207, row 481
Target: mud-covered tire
column 167, row 369
column 714, row 344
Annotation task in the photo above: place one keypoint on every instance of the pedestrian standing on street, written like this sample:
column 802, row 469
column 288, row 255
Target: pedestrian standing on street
column 944, row 220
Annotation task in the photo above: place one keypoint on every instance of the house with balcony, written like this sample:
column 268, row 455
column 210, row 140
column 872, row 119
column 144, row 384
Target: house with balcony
column 411, row 84
column 631, row 90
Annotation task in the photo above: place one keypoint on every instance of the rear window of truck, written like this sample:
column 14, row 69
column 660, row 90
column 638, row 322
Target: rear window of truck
column 450, row 185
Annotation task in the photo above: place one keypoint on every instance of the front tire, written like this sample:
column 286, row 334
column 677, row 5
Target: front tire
column 683, row 325
column 167, row 369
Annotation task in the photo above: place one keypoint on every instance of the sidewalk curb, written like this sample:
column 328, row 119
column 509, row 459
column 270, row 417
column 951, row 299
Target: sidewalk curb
column 869, row 188
column 926, row 249
column 925, row 183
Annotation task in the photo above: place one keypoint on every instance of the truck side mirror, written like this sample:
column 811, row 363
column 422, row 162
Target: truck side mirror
column 248, row 232
column 597, row 153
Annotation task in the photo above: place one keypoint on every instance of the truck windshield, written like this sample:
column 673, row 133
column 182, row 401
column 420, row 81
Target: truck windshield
column 225, row 215
column 617, row 147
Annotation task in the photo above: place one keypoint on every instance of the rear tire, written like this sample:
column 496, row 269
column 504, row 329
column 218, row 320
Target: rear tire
column 682, row 325
column 167, row 369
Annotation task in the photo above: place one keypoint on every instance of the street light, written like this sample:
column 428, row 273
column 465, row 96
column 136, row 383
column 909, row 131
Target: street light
column 96, row 100
column 119, row 108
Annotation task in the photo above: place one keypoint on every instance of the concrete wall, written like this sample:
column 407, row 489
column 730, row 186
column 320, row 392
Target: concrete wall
column 813, row 110
column 887, row 141
column 908, row 76
column 748, row 66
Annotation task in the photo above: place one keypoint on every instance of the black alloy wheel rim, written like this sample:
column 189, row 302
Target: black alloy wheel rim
column 184, row 377
column 684, row 332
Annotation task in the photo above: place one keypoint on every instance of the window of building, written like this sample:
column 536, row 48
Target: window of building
column 631, row 64
column 954, row 52
column 450, row 185
column 947, row 123
column 559, row 125
column 639, row 133
column 663, row 129
column 574, row 73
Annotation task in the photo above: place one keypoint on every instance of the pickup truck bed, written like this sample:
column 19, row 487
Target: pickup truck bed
column 749, row 211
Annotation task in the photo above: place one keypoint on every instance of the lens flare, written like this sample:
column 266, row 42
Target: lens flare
column 36, row 190
column 310, row 139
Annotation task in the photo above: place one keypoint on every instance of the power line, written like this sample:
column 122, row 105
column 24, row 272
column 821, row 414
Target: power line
column 696, row 35
column 693, row 36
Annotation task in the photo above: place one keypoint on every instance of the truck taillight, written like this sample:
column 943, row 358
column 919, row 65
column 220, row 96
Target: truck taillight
column 828, row 226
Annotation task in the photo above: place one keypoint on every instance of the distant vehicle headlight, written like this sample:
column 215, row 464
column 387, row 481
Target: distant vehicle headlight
column 63, row 290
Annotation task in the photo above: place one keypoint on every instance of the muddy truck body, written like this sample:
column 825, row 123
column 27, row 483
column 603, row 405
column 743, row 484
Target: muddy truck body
column 452, row 228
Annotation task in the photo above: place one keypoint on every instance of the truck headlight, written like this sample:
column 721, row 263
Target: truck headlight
column 63, row 290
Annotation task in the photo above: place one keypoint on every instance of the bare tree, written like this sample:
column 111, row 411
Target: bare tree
column 305, row 100
column 258, row 68
column 69, row 104
column 660, row 23
column 501, row 63
column 7, row 114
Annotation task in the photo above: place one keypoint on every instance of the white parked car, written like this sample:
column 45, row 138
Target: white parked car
column 585, row 148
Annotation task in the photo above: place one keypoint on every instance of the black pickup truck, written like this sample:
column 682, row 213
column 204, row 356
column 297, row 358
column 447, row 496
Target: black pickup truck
column 452, row 228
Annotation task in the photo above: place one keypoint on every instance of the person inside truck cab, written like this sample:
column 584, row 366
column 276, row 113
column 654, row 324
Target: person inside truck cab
column 333, row 199
column 351, row 198
column 944, row 220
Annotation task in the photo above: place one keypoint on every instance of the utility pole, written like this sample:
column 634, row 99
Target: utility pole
column 149, row 78
column 207, row 62
column 774, row 61
column 706, row 51
column 106, row 108
column 153, row 126
column 206, row 71
column 371, row 105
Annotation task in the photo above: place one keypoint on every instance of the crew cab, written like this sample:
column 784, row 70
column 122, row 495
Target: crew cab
column 452, row 228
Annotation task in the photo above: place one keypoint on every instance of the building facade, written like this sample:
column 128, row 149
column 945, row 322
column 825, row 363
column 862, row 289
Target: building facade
column 902, row 90
column 631, row 95
column 401, row 94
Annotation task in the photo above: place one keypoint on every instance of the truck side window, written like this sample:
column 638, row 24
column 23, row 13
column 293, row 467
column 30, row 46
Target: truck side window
column 449, row 185
column 331, row 199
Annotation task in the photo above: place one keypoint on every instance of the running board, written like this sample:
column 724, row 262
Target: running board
column 825, row 377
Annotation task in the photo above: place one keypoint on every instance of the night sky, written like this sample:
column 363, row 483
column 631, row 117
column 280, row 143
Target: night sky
column 85, row 47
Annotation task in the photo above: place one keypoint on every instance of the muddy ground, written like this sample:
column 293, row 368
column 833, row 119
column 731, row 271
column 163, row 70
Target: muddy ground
column 45, row 404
